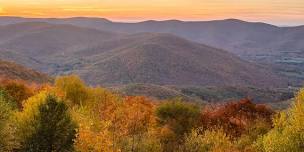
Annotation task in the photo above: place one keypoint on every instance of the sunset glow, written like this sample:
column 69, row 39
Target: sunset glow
column 282, row 12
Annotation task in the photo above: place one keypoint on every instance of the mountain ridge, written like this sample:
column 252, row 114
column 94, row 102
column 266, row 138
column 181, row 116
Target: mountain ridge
column 24, row 19
column 111, row 58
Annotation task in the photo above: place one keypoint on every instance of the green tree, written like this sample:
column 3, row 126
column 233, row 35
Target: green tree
column 45, row 125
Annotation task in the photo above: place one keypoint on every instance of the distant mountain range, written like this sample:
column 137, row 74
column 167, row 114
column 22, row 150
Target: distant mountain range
column 114, row 58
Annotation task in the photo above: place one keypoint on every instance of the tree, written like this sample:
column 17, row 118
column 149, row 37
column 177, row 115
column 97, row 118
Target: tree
column 177, row 118
column 93, row 134
column 134, row 119
column 45, row 125
column 235, row 117
column 288, row 131
column 18, row 91
column 72, row 88
column 180, row 116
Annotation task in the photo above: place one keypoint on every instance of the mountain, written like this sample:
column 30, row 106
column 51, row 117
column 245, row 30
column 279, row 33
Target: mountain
column 10, row 70
column 111, row 58
column 279, row 47
column 167, row 59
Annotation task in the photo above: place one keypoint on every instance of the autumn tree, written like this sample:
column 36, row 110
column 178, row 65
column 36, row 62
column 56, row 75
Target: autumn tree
column 123, row 124
column 177, row 119
column 93, row 134
column 288, row 131
column 96, row 118
column 235, row 117
column 72, row 88
column 136, row 116
column 130, row 120
column 18, row 91
column 44, row 125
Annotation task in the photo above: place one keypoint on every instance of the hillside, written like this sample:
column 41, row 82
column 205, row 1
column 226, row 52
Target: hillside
column 9, row 70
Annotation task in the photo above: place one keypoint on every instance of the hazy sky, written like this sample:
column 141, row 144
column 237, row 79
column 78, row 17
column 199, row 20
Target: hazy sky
column 281, row 12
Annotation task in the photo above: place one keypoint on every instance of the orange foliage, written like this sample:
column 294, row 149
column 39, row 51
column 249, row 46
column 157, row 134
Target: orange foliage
column 131, row 117
column 18, row 90
column 122, row 119
column 134, row 113
column 235, row 117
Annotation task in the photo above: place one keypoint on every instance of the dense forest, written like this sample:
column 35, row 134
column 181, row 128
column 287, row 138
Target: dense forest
column 72, row 116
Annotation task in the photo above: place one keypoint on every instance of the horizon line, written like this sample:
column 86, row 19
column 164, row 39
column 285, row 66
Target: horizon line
column 156, row 20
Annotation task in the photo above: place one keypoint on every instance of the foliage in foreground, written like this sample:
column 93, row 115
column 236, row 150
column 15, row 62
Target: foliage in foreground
column 71, row 116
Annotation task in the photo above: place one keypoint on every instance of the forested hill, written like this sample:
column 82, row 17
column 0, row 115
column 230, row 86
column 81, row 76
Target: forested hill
column 10, row 70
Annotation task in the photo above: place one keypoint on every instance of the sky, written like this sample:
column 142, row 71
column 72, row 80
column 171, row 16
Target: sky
column 278, row 12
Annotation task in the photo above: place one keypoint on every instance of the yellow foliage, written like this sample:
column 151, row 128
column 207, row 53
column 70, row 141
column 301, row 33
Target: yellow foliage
column 288, row 131
column 72, row 88
column 23, row 118
column 208, row 141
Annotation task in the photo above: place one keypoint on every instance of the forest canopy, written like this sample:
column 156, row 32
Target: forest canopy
column 72, row 116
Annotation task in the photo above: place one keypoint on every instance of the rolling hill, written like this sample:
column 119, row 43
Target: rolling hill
column 110, row 58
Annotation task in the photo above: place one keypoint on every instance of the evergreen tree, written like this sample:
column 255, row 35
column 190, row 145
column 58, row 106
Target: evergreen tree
column 45, row 126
